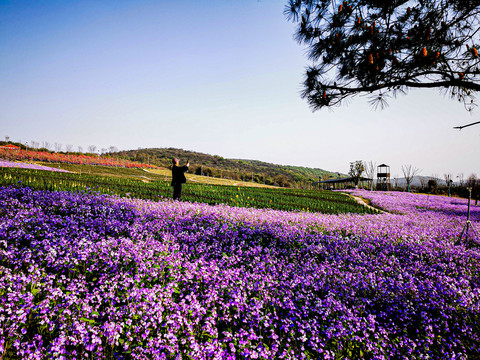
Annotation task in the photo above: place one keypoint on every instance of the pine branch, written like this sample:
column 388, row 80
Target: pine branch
column 464, row 126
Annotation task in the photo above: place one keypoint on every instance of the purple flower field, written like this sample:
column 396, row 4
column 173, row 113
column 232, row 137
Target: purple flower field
column 23, row 165
column 85, row 275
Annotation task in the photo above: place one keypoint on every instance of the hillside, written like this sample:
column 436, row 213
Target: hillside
column 237, row 169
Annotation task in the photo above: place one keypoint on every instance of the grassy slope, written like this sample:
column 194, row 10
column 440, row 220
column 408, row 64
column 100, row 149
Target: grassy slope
column 146, row 175
column 166, row 174
column 244, row 168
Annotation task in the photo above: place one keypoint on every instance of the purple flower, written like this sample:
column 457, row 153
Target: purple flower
column 86, row 274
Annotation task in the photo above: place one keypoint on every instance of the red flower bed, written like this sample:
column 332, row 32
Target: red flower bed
column 29, row 155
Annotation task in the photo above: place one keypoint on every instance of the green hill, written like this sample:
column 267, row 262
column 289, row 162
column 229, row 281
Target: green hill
column 237, row 169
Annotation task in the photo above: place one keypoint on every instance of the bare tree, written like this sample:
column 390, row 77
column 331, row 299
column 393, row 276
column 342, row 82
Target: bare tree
column 409, row 172
column 447, row 177
column 58, row 147
column 448, row 181
column 7, row 138
column 460, row 179
column 46, row 145
column 112, row 149
column 423, row 182
column 92, row 149
column 34, row 144
column 370, row 171
column 69, row 148
column 80, row 149
column 395, row 181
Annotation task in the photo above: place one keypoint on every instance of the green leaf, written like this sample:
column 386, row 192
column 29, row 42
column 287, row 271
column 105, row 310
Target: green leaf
column 87, row 320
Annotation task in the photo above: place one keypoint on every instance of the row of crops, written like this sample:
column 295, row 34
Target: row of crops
column 68, row 158
column 279, row 199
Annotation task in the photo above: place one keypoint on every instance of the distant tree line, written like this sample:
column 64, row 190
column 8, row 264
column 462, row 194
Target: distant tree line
column 46, row 146
column 236, row 169
column 201, row 164
column 435, row 185
column 271, row 174
column 424, row 184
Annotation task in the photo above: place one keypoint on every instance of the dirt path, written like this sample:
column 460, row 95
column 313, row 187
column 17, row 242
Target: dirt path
column 364, row 203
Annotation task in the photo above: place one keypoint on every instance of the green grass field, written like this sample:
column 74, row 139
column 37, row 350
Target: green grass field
column 156, row 186
column 147, row 174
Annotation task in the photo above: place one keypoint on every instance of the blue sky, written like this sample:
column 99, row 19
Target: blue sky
column 219, row 77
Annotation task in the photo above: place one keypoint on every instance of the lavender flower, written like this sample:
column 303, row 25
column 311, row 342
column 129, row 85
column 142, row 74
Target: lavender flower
column 96, row 275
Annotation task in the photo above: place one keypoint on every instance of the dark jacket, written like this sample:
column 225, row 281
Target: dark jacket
column 178, row 174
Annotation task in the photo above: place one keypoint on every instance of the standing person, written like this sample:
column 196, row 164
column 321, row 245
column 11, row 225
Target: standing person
column 178, row 178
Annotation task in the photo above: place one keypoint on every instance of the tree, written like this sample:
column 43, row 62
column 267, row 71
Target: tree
column 409, row 172
column 384, row 48
column 395, row 181
column 46, row 145
column 448, row 181
column 92, row 149
column 356, row 170
column 282, row 181
column 432, row 185
column 370, row 171
column 471, row 181
column 423, row 182
column 474, row 184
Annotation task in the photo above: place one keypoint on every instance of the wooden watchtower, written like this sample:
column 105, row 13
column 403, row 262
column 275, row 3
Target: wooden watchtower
column 383, row 177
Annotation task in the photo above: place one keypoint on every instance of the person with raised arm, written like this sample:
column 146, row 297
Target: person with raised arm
column 178, row 177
